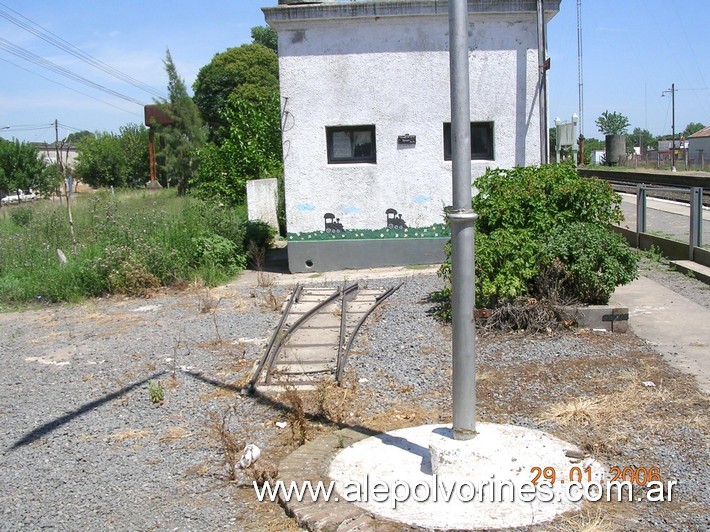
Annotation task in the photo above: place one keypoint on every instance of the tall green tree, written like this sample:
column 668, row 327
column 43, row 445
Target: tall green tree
column 20, row 166
column 265, row 36
column 77, row 136
column 612, row 123
column 691, row 128
column 250, row 149
column 181, row 140
column 114, row 160
column 642, row 138
column 249, row 72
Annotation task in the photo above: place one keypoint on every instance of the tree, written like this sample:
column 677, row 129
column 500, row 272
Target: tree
column 691, row 128
column 20, row 166
column 248, row 72
column 134, row 144
column 74, row 138
column 612, row 123
column 110, row 160
column 186, row 135
column 101, row 162
column 643, row 139
column 250, row 149
column 265, row 36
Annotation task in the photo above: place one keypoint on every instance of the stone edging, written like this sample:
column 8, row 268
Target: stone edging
column 311, row 462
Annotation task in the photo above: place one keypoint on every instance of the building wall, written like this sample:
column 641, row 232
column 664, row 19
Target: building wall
column 702, row 143
column 393, row 71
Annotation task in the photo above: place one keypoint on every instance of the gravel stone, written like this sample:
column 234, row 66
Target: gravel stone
column 83, row 447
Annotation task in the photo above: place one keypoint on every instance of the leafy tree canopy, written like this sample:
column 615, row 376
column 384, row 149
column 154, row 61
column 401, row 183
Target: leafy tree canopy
column 250, row 149
column 643, row 138
column 20, row 166
column 612, row 123
column 691, row 128
column 183, row 138
column 249, row 72
column 591, row 144
column 266, row 36
column 76, row 137
column 107, row 159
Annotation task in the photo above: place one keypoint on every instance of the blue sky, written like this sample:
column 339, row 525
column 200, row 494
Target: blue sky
column 633, row 50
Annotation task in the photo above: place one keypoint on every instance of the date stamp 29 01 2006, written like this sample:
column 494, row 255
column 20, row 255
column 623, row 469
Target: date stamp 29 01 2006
column 619, row 479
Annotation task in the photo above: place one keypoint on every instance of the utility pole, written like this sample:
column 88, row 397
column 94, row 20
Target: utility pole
column 56, row 145
column 672, row 91
column 462, row 219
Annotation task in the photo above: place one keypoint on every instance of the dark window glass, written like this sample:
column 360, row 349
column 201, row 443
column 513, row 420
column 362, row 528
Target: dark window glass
column 351, row 144
column 481, row 141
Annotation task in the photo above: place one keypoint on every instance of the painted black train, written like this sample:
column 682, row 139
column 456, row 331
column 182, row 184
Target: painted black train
column 394, row 220
column 332, row 224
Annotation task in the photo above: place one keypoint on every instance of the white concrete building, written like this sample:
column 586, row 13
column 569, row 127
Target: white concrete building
column 365, row 95
column 699, row 147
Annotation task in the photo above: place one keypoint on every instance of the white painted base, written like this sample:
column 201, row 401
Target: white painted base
column 420, row 458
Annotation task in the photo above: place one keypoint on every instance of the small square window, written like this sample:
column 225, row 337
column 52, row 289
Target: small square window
column 351, row 144
column 481, row 141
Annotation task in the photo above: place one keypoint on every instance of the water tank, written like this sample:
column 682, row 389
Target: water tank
column 615, row 149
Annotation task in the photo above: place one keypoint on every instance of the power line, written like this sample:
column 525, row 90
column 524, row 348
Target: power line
column 51, row 38
column 44, row 63
column 66, row 86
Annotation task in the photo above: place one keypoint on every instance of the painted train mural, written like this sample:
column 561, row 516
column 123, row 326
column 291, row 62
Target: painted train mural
column 395, row 226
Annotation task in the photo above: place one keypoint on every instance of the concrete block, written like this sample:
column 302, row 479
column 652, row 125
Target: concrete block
column 606, row 317
column 262, row 201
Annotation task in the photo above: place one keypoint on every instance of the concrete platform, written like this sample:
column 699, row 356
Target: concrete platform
column 688, row 267
column 674, row 325
column 439, row 483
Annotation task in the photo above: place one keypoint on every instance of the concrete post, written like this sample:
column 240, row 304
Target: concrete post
column 696, row 220
column 640, row 213
column 462, row 218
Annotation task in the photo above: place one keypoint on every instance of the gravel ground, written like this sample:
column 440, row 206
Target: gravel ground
column 83, row 447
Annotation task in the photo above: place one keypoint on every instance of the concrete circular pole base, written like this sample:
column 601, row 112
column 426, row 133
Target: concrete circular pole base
column 436, row 482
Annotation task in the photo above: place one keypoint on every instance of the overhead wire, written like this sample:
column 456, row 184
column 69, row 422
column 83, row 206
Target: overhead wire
column 66, row 86
column 44, row 63
column 62, row 44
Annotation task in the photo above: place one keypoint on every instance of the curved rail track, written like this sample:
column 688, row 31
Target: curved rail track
column 315, row 334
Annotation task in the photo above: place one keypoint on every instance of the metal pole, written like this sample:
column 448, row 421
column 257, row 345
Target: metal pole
column 542, row 65
column 461, row 219
column 673, row 125
column 640, row 213
column 696, row 220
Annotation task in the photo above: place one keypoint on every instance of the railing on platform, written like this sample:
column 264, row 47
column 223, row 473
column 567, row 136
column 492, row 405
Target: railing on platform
column 677, row 183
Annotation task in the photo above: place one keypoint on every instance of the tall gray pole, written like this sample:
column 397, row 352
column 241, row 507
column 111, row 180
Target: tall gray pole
column 462, row 218
column 542, row 65
column 673, row 124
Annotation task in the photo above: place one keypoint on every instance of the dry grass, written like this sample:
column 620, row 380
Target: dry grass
column 587, row 521
column 231, row 446
column 272, row 301
column 130, row 434
column 296, row 416
column 330, row 400
column 174, row 433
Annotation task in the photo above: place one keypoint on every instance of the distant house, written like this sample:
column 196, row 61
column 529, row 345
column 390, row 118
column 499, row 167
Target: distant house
column 48, row 151
column 366, row 121
column 699, row 146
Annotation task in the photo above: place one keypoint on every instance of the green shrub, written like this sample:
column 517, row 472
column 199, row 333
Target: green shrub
column 520, row 210
column 215, row 250
column 128, row 244
column 261, row 233
column 21, row 216
column 587, row 262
